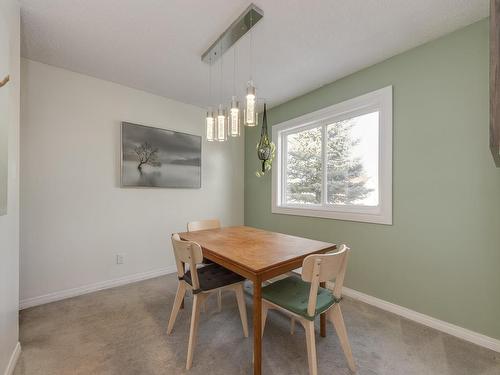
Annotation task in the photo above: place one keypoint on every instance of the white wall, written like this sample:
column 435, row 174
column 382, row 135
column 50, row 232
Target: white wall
column 74, row 216
column 9, row 224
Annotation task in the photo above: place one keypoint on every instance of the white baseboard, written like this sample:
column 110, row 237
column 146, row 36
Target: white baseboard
column 68, row 293
column 451, row 329
column 13, row 360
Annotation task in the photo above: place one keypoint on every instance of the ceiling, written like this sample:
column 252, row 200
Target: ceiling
column 300, row 45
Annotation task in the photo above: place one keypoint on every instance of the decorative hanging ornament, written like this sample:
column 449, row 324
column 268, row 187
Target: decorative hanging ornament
column 265, row 148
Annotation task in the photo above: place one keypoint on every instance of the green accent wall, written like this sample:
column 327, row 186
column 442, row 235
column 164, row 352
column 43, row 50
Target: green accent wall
column 441, row 257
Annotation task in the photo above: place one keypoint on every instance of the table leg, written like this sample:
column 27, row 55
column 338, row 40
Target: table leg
column 322, row 319
column 257, row 327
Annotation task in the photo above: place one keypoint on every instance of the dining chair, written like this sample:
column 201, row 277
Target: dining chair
column 304, row 299
column 201, row 282
column 205, row 225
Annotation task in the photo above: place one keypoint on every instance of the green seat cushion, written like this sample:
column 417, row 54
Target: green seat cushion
column 292, row 294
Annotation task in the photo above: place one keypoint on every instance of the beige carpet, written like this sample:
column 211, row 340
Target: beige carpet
column 122, row 331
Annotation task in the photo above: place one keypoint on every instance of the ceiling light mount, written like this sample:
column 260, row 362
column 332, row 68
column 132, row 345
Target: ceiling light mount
column 243, row 24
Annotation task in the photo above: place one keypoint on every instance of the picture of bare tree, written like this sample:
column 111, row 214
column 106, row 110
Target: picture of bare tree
column 155, row 157
column 147, row 154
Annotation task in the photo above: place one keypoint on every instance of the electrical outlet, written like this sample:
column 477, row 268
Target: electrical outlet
column 120, row 258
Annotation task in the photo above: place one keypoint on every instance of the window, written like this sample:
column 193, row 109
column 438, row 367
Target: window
column 337, row 162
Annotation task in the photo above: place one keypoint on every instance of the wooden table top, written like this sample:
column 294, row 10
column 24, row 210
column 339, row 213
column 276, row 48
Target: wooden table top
column 255, row 250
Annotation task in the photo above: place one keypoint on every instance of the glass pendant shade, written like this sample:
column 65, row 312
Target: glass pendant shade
column 234, row 118
column 250, row 114
column 221, row 124
column 210, row 125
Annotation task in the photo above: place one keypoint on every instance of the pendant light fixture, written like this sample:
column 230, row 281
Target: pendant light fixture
column 221, row 113
column 221, row 124
column 250, row 108
column 210, row 121
column 228, row 122
column 234, row 112
column 210, row 124
column 234, row 118
column 250, row 104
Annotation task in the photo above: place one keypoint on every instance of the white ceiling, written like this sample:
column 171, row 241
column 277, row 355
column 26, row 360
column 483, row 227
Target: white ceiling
column 300, row 45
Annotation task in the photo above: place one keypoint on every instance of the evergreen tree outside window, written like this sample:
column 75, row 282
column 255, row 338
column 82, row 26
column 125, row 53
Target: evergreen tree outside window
column 304, row 167
column 352, row 161
column 337, row 162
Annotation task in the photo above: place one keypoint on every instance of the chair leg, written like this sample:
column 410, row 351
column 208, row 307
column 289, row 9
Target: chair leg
column 195, row 318
column 179, row 298
column 265, row 309
column 292, row 325
column 311, row 347
column 240, row 298
column 219, row 300
column 338, row 323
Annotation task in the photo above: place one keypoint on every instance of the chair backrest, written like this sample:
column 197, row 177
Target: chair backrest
column 187, row 252
column 319, row 268
column 203, row 225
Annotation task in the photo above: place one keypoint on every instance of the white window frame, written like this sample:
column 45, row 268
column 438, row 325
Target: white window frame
column 381, row 101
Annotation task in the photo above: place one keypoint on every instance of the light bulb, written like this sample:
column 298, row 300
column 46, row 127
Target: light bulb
column 221, row 124
column 250, row 105
column 210, row 124
column 234, row 118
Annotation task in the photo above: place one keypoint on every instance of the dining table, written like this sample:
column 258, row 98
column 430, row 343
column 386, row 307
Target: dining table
column 257, row 255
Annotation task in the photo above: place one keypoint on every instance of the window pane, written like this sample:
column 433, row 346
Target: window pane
column 353, row 161
column 303, row 168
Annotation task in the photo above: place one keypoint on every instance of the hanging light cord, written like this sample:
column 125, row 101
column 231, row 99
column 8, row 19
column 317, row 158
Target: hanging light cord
column 210, row 81
column 234, row 72
column 221, row 61
column 251, row 46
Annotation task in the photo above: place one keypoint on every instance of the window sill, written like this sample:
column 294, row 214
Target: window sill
column 378, row 218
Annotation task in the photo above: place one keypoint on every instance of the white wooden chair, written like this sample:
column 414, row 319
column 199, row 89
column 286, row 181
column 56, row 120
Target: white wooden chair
column 202, row 282
column 203, row 225
column 304, row 300
column 193, row 226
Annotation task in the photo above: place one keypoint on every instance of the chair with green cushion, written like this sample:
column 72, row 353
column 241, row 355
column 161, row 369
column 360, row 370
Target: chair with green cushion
column 304, row 299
